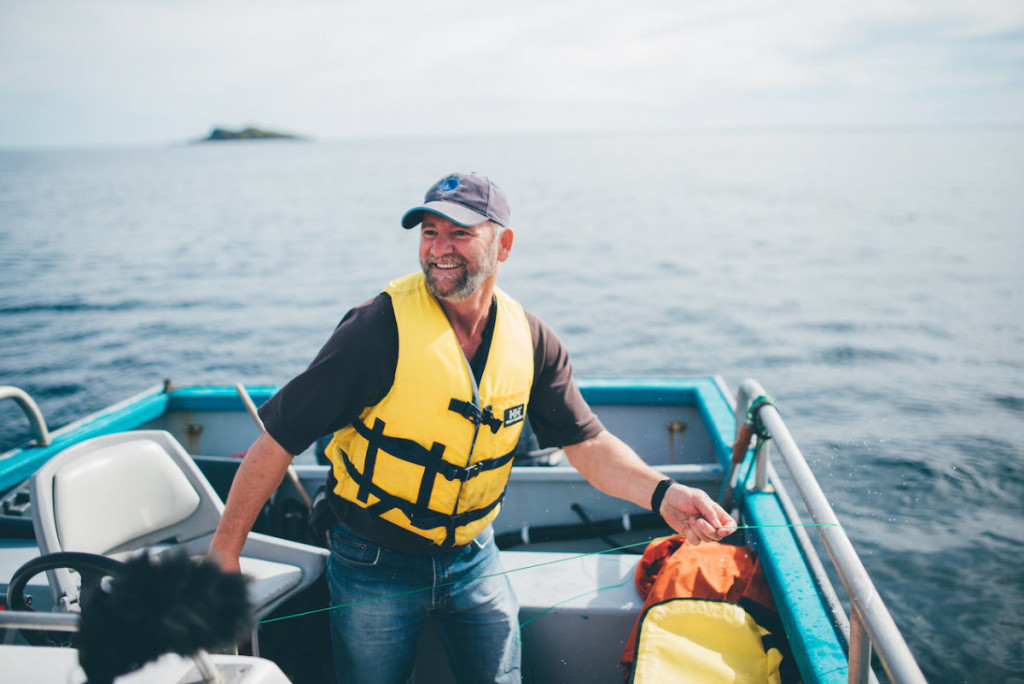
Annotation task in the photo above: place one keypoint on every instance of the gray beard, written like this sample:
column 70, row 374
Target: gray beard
column 469, row 282
column 464, row 287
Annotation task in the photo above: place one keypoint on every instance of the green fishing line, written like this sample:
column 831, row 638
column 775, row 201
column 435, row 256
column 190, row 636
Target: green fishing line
column 531, row 567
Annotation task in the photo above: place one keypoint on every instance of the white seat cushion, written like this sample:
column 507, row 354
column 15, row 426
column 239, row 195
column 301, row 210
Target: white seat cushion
column 268, row 579
column 120, row 493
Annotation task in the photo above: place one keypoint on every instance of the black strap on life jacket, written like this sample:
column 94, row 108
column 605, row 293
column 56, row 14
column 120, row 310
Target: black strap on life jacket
column 418, row 512
column 433, row 464
column 414, row 452
column 405, row 449
column 475, row 415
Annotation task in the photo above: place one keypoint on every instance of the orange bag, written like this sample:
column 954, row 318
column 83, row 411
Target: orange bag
column 673, row 568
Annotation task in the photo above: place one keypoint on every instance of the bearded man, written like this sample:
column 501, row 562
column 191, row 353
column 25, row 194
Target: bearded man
column 425, row 389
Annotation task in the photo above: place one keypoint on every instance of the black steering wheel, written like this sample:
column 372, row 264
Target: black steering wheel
column 91, row 567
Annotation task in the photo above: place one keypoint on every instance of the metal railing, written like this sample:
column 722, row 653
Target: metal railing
column 32, row 412
column 871, row 625
column 53, row 622
column 69, row 622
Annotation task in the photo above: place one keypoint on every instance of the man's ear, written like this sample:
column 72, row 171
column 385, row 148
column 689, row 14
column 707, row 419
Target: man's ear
column 505, row 246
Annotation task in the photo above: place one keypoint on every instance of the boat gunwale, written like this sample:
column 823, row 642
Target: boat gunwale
column 18, row 463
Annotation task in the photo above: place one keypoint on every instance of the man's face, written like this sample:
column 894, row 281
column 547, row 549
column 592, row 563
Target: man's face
column 456, row 259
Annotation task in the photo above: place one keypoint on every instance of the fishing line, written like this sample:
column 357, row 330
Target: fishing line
column 454, row 582
column 532, row 567
column 628, row 579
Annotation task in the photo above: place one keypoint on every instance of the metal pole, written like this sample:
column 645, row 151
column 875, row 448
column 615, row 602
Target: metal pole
column 207, row 668
column 26, row 619
column 761, row 472
column 254, row 413
column 860, row 651
column 892, row 649
column 28, row 405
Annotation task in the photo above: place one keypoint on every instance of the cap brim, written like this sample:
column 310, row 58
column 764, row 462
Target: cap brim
column 456, row 213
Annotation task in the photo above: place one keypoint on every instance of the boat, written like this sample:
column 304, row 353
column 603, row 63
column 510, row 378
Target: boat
column 570, row 551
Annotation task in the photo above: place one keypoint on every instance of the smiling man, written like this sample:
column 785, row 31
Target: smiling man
column 425, row 389
column 452, row 275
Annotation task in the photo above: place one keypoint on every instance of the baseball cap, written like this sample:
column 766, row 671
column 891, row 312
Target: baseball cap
column 463, row 198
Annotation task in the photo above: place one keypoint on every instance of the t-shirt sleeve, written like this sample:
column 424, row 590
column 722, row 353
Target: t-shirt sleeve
column 354, row 369
column 558, row 414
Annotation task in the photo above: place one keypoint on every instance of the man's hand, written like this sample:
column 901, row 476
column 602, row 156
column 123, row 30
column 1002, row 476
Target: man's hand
column 614, row 468
column 692, row 513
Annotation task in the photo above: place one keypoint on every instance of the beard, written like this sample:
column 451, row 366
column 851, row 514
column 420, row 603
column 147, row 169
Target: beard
column 468, row 277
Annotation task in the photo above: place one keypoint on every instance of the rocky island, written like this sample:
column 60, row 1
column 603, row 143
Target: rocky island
column 219, row 134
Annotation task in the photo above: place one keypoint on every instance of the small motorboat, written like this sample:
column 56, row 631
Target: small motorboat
column 570, row 551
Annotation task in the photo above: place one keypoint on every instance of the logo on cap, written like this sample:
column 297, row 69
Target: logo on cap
column 449, row 184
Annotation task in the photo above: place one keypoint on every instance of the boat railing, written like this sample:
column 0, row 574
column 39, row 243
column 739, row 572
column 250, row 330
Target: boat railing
column 32, row 412
column 26, row 619
column 870, row 624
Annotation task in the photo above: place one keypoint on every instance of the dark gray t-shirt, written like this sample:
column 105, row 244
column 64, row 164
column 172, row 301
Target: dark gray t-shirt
column 356, row 368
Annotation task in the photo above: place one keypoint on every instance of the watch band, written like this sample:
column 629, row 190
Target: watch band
column 659, row 494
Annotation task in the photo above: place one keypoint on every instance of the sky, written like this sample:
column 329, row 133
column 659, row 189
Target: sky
column 141, row 72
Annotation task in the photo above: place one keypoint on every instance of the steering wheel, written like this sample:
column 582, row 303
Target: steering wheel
column 91, row 567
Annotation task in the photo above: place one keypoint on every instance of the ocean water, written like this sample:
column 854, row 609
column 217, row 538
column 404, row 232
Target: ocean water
column 870, row 279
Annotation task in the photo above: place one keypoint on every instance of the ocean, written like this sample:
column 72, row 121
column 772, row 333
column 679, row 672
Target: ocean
column 870, row 279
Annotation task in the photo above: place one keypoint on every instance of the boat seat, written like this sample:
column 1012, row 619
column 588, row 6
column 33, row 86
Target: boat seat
column 269, row 580
column 119, row 494
column 33, row 664
column 152, row 494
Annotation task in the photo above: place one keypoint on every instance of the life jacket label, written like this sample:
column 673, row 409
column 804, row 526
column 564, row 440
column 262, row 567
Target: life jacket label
column 515, row 415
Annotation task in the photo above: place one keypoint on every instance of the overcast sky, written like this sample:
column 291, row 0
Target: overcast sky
column 129, row 72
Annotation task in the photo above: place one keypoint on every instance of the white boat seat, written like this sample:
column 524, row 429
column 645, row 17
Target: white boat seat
column 34, row 664
column 153, row 493
column 269, row 580
column 120, row 494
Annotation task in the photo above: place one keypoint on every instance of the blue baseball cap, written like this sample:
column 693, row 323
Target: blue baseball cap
column 467, row 199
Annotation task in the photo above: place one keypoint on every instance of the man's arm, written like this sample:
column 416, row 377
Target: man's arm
column 259, row 475
column 614, row 468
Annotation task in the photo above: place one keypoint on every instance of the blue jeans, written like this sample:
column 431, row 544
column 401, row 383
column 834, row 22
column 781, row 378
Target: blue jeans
column 383, row 597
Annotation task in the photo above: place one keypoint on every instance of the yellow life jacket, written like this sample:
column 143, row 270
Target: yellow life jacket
column 431, row 457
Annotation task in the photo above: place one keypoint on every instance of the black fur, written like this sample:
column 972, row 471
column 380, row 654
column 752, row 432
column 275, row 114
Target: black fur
column 169, row 604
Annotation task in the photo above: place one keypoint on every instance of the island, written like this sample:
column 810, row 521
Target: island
column 219, row 134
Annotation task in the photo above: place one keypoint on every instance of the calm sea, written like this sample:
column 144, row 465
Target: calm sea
column 870, row 279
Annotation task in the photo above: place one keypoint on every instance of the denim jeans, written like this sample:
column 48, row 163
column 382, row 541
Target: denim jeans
column 383, row 597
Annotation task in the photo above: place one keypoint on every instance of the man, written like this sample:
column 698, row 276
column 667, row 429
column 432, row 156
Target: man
column 425, row 388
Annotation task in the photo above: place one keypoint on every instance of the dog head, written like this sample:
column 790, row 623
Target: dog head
column 167, row 604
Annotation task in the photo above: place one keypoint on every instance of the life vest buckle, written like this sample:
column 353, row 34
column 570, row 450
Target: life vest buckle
column 475, row 415
column 490, row 420
column 469, row 472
